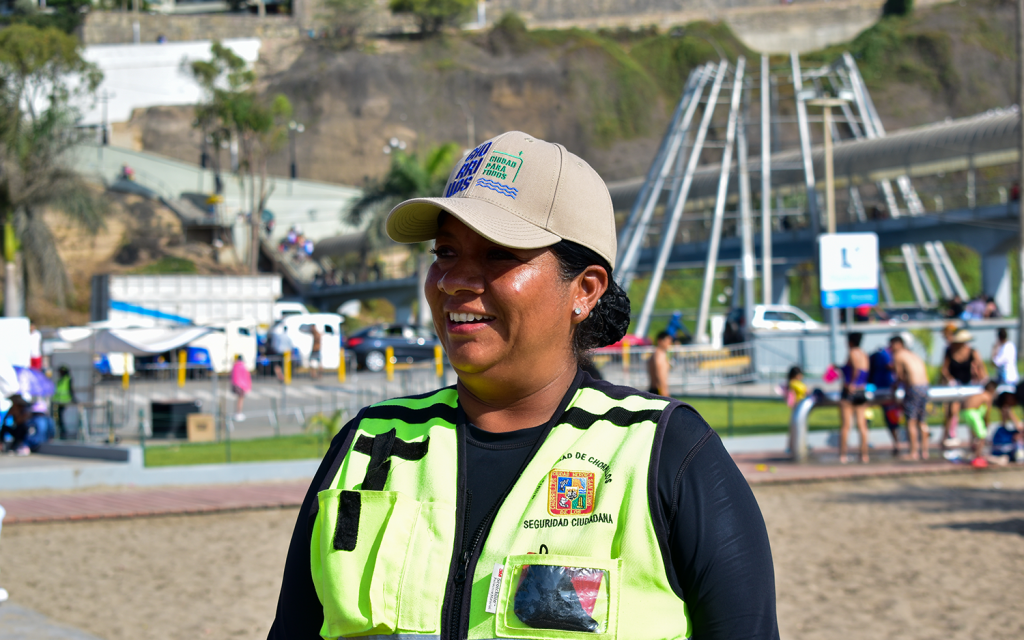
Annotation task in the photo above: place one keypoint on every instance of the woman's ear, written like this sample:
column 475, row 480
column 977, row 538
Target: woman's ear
column 588, row 287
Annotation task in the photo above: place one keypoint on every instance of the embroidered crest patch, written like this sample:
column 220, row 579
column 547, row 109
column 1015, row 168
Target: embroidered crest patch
column 570, row 493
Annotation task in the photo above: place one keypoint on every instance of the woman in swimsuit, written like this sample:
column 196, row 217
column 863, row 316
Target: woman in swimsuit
column 851, row 403
column 961, row 366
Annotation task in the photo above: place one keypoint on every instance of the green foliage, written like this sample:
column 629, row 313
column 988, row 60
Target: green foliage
column 234, row 109
column 42, row 79
column 167, row 264
column 670, row 58
column 63, row 15
column 509, row 35
column 343, row 19
column 434, row 15
column 897, row 7
column 326, row 425
column 408, row 177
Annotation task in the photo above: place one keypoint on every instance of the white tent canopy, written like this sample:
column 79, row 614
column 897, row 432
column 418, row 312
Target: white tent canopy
column 137, row 341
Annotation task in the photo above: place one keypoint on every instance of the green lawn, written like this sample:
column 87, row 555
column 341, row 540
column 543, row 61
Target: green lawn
column 754, row 417
column 280, row 448
column 750, row 417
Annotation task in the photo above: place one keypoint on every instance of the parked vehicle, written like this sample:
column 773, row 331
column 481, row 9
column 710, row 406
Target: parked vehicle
column 285, row 308
column 778, row 317
column 410, row 342
column 298, row 327
column 235, row 337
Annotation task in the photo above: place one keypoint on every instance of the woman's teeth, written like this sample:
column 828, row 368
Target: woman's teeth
column 468, row 317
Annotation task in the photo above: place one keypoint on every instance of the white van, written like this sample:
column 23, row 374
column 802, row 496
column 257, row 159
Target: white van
column 227, row 340
column 297, row 328
column 285, row 308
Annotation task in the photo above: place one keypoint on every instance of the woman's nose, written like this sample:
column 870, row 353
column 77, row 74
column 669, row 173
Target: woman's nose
column 462, row 276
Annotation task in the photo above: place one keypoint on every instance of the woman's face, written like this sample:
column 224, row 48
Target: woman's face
column 498, row 310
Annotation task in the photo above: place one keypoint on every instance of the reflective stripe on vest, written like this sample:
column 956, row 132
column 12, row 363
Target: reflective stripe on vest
column 577, row 520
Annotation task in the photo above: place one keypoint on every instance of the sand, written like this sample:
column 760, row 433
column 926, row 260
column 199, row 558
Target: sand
column 912, row 558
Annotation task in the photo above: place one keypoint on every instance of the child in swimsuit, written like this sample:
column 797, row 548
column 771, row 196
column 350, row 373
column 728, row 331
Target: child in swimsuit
column 975, row 414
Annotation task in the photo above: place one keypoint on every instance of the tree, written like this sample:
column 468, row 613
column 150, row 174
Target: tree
column 235, row 109
column 65, row 15
column 407, row 178
column 43, row 79
column 434, row 15
column 344, row 19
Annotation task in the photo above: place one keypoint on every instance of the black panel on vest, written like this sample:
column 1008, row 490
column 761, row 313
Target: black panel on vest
column 582, row 419
column 347, row 528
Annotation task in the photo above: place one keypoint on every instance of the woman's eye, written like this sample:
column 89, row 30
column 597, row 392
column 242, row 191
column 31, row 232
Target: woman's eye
column 442, row 252
column 500, row 254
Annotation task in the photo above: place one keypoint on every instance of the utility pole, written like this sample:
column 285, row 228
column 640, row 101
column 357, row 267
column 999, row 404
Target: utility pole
column 830, row 208
column 1020, row 174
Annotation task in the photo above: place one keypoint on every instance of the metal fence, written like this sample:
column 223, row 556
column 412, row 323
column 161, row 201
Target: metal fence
column 691, row 367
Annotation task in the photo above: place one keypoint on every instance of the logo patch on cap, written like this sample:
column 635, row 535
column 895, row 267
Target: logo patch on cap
column 470, row 165
column 570, row 493
column 500, row 165
column 486, row 183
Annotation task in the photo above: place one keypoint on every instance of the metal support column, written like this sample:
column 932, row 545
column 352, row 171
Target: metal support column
column 766, row 183
column 746, row 221
column 634, row 242
column 883, row 282
column 954, row 277
column 672, row 220
column 939, row 269
column 723, row 193
column 805, row 146
column 910, row 259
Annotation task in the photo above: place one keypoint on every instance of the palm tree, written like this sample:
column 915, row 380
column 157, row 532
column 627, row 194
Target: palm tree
column 37, row 129
column 407, row 178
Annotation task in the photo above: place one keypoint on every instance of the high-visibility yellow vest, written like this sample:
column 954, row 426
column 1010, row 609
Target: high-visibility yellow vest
column 572, row 551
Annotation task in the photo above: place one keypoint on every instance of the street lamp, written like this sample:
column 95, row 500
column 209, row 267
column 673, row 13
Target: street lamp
column 293, row 128
column 830, row 204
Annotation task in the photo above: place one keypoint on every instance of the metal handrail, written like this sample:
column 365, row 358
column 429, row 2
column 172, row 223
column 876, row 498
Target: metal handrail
column 802, row 411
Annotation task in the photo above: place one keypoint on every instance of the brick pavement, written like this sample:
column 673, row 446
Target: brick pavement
column 757, row 468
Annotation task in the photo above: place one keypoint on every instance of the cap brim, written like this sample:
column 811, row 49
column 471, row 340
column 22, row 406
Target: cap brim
column 416, row 221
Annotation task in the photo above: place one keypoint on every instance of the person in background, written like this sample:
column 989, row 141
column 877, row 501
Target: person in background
column 314, row 354
column 35, row 347
column 17, row 423
column 851, row 403
column 795, row 390
column 912, row 375
column 991, row 308
column 1004, row 357
column 282, row 345
column 961, row 366
column 881, row 375
column 63, row 397
column 241, row 384
column 975, row 414
column 975, row 309
column 658, row 365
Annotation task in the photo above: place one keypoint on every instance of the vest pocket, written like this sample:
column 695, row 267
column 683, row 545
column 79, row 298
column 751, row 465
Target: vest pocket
column 558, row 596
column 374, row 573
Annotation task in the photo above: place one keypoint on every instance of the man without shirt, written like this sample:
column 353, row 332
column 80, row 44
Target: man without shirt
column 657, row 366
column 912, row 375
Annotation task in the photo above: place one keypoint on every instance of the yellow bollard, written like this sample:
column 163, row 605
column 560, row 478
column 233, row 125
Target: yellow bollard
column 439, row 360
column 124, row 376
column 625, row 356
column 389, row 362
column 341, row 367
column 287, row 367
column 182, row 360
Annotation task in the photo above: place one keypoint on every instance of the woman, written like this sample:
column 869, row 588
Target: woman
column 961, row 366
column 851, row 402
column 528, row 500
column 241, row 385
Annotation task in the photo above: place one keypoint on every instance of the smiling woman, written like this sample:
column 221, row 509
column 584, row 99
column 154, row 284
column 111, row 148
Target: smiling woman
column 529, row 500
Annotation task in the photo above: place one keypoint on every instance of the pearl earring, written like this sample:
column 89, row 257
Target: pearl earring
column 577, row 311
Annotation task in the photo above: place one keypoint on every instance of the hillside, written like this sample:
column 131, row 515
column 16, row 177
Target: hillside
column 606, row 94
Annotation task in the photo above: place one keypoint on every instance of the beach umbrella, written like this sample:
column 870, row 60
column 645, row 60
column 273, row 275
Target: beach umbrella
column 34, row 383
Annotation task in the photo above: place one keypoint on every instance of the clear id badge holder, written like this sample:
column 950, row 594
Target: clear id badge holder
column 546, row 596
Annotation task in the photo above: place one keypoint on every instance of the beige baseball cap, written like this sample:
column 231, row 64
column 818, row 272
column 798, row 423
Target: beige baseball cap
column 519, row 192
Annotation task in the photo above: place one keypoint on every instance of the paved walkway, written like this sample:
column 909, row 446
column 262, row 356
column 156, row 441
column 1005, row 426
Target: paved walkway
column 19, row 623
column 758, row 468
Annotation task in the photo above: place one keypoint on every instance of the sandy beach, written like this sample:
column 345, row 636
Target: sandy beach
column 912, row 558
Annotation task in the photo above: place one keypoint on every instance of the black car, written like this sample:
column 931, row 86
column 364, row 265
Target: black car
column 410, row 342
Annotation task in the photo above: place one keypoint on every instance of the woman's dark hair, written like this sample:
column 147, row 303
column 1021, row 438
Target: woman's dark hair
column 794, row 371
column 1002, row 334
column 608, row 321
